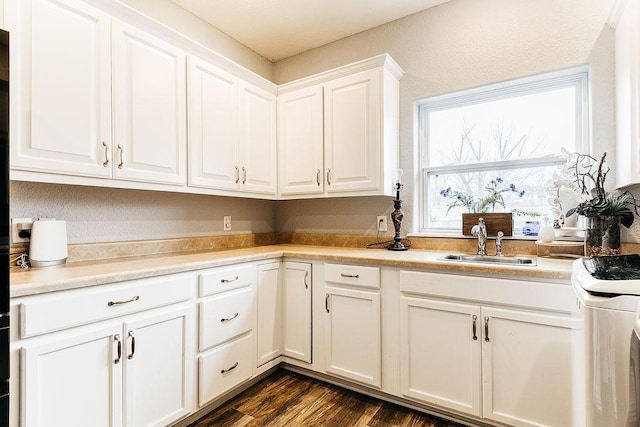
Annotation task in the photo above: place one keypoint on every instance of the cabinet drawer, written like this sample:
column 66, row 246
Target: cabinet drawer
column 224, row 368
column 226, row 316
column 354, row 275
column 51, row 312
column 535, row 295
column 224, row 279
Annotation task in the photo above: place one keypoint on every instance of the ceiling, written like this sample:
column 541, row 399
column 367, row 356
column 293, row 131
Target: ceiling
column 277, row 29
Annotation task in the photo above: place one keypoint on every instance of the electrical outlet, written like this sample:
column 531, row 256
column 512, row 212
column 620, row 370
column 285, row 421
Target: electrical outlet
column 382, row 223
column 17, row 225
column 226, row 223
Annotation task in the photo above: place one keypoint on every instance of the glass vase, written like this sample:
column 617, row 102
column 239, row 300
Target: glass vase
column 603, row 236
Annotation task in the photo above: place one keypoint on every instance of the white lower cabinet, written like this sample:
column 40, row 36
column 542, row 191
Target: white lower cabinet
column 527, row 368
column 269, row 326
column 440, row 350
column 224, row 367
column 284, row 311
column 352, row 335
column 493, row 350
column 511, row 365
column 108, row 374
column 296, row 311
column 227, row 325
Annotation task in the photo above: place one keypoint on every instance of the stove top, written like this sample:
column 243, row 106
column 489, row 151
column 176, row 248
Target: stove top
column 614, row 267
column 608, row 275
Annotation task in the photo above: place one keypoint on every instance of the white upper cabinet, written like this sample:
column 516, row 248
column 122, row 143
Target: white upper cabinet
column 338, row 131
column 258, row 140
column 626, row 18
column 67, row 54
column 149, row 107
column 353, row 146
column 61, row 87
column 232, row 140
column 300, row 142
column 213, row 126
column 104, row 96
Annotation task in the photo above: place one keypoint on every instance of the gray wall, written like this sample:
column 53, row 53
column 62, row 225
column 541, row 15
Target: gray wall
column 95, row 214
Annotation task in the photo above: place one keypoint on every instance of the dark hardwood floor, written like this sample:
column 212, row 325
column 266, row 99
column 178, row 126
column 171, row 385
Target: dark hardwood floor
column 288, row 399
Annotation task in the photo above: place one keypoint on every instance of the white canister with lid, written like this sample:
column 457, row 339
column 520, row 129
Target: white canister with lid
column 48, row 245
column 546, row 233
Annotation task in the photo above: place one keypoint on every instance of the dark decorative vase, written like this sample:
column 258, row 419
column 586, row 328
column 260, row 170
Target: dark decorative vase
column 603, row 236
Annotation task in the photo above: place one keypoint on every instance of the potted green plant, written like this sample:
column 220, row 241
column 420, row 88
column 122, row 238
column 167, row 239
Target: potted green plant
column 604, row 210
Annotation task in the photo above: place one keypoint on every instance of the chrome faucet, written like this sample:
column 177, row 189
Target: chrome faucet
column 480, row 231
column 499, row 237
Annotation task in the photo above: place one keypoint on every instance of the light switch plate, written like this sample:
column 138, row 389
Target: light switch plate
column 226, row 223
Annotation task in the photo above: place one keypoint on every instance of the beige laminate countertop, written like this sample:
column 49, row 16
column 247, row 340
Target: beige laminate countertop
column 83, row 274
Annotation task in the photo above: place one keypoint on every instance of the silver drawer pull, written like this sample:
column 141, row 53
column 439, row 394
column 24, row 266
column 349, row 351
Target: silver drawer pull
column 224, row 371
column 350, row 276
column 132, row 299
column 306, row 276
column 226, row 319
column 228, row 280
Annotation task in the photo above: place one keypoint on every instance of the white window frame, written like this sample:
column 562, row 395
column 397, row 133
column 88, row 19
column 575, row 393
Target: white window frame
column 577, row 77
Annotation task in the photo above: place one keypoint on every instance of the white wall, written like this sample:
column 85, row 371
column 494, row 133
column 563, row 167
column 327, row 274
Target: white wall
column 198, row 30
column 459, row 45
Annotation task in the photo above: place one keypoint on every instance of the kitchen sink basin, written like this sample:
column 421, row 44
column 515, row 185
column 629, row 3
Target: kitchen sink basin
column 508, row 260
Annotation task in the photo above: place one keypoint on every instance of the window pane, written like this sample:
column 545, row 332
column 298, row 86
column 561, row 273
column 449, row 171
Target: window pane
column 525, row 126
column 513, row 131
column 444, row 210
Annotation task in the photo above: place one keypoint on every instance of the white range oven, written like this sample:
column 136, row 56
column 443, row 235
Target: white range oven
column 608, row 289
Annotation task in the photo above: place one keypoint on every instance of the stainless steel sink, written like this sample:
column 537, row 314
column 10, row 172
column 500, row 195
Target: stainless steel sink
column 490, row 259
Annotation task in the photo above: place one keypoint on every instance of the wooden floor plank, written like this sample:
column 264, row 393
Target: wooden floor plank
column 288, row 399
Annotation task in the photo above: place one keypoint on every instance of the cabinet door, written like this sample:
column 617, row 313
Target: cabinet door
column 440, row 353
column 257, row 140
column 149, row 95
column 269, row 327
column 527, row 368
column 296, row 311
column 627, row 53
column 352, row 140
column 73, row 379
column 158, row 358
column 60, row 84
column 300, row 142
column 213, row 127
column 352, row 340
